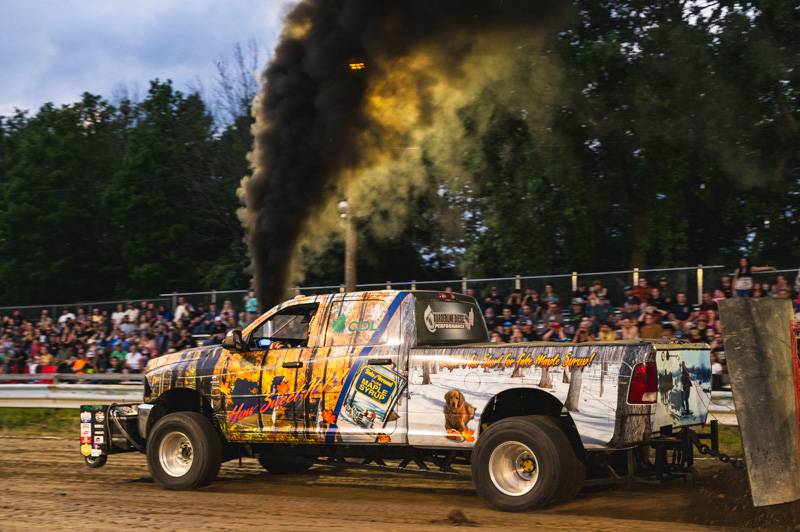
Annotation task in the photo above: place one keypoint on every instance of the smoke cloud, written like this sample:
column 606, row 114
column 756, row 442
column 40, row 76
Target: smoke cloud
column 326, row 129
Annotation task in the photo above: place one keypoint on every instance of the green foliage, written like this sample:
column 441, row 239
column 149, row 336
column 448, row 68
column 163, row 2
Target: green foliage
column 101, row 201
column 671, row 142
column 43, row 420
column 669, row 136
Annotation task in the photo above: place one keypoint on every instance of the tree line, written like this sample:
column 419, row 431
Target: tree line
column 674, row 139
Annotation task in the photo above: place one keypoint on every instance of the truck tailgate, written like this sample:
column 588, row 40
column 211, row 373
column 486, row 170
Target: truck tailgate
column 684, row 385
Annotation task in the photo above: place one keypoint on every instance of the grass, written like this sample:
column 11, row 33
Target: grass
column 60, row 421
column 730, row 440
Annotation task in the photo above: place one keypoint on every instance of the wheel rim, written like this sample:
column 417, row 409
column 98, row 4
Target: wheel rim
column 513, row 468
column 175, row 453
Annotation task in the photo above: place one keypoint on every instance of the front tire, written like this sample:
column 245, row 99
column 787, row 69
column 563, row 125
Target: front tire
column 282, row 467
column 184, row 451
column 516, row 465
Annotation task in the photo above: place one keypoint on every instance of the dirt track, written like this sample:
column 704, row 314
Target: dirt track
column 46, row 485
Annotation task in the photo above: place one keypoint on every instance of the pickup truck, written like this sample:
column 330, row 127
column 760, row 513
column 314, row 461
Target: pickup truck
column 406, row 375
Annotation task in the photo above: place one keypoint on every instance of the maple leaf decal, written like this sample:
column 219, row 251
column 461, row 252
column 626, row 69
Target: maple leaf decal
column 338, row 324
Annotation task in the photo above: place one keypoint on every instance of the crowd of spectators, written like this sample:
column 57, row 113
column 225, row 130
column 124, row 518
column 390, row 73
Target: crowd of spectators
column 121, row 341
column 649, row 310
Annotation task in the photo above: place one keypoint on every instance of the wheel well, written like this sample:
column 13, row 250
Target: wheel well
column 179, row 400
column 527, row 402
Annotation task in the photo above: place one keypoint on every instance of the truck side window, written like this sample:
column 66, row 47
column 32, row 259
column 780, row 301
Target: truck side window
column 354, row 322
column 287, row 328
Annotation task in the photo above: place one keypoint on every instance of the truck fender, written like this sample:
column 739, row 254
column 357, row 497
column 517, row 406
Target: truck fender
column 528, row 402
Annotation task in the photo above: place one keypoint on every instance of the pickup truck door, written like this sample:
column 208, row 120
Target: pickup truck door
column 263, row 385
column 290, row 336
column 365, row 380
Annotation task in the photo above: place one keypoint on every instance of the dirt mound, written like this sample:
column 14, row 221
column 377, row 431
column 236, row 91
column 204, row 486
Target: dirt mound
column 729, row 490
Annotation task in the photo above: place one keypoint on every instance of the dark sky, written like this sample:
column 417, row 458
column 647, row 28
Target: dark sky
column 53, row 50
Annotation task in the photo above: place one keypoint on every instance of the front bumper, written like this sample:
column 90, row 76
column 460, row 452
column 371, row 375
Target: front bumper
column 109, row 429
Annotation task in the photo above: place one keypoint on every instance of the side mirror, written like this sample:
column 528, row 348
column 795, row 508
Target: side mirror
column 233, row 340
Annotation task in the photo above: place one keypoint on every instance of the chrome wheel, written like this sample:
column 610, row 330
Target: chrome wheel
column 175, row 454
column 513, row 468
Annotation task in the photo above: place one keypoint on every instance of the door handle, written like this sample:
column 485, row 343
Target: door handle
column 293, row 365
column 380, row 362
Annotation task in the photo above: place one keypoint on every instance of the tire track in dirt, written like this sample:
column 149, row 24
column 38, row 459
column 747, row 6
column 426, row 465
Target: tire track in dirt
column 46, row 485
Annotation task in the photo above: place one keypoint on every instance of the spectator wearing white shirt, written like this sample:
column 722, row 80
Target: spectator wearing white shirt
column 65, row 315
column 132, row 313
column 135, row 361
column 183, row 311
column 117, row 315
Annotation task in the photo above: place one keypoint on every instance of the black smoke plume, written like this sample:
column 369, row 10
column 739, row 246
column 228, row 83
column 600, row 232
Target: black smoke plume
column 310, row 119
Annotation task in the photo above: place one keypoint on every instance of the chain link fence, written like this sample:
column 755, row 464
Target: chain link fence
column 690, row 279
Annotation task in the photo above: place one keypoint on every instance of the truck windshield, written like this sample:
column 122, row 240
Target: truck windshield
column 448, row 319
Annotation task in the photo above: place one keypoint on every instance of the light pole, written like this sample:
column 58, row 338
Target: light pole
column 350, row 245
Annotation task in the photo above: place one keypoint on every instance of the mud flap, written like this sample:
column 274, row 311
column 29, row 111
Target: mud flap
column 763, row 371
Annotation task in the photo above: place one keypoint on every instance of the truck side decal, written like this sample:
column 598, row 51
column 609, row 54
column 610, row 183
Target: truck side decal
column 450, row 388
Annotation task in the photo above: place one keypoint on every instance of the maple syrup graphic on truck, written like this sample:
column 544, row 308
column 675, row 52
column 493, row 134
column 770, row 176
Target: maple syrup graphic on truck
column 408, row 370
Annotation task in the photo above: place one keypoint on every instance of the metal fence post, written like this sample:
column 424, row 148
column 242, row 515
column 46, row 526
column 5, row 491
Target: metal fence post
column 388, row 285
column 413, row 284
column 574, row 281
column 296, row 291
column 463, row 285
column 174, row 301
column 517, row 282
column 636, row 277
column 699, row 284
column 341, row 289
column 214, row 296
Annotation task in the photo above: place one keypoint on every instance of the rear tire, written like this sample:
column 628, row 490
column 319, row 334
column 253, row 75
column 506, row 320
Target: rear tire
column 573, row 471
column 277, row 466
column 516, row 464
column 184, row 451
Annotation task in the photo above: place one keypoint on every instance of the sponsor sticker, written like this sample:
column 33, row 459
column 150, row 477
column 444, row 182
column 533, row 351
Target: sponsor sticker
column 96, row 452
column 99, row 417
column 86, row 439
column 86, row 416
column 435, row 321
column 98, row 440
column 86, row 429
column 86, row 449
column 374, row 385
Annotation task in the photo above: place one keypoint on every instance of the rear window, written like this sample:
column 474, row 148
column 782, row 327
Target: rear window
column 442, row 321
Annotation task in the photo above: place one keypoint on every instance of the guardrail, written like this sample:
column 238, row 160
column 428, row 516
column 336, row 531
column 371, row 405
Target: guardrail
column 55, row 378
column 722, row 408
column 67, row 395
